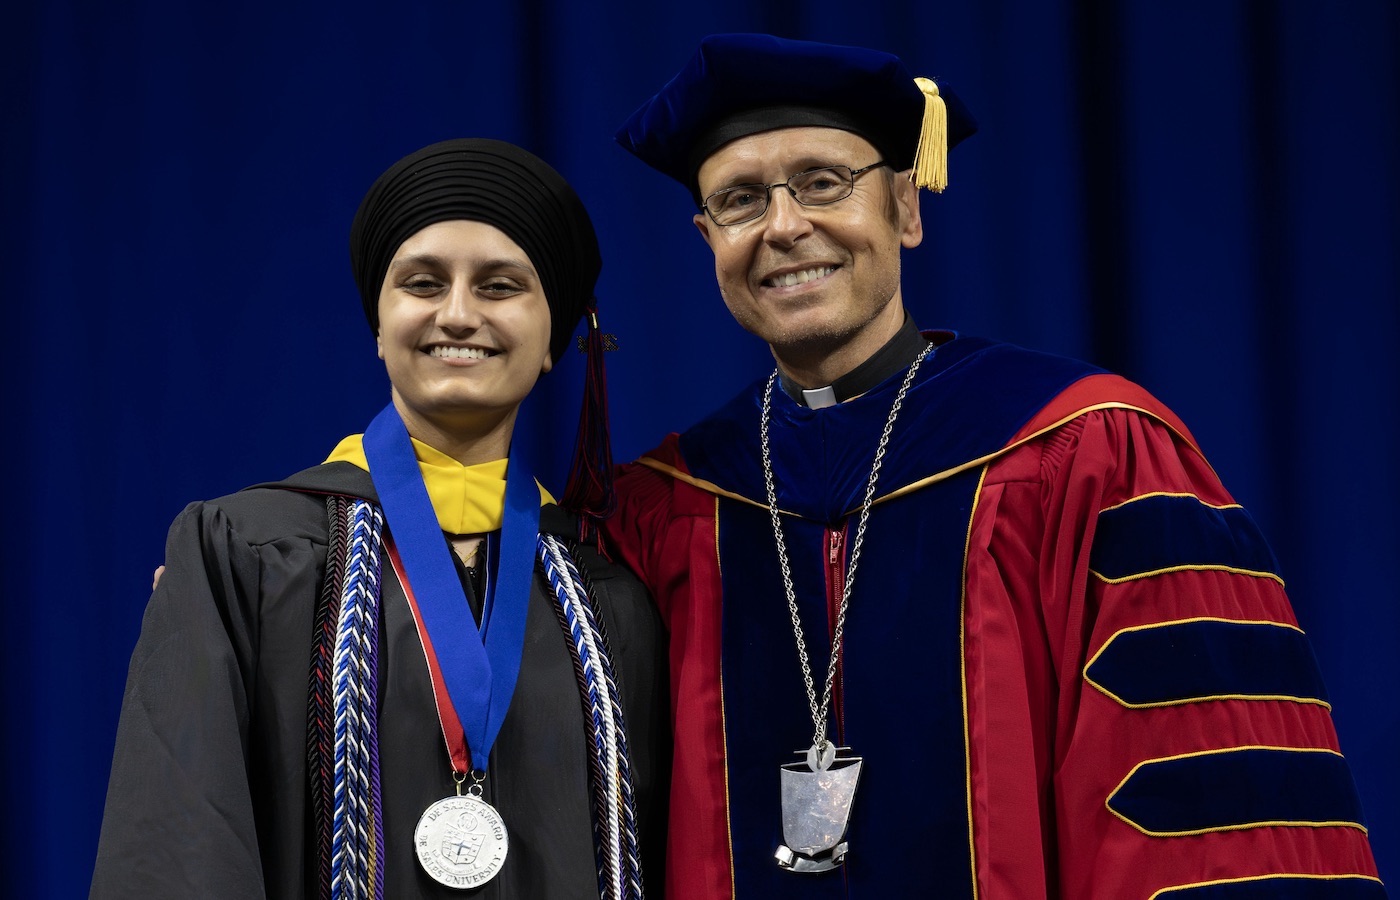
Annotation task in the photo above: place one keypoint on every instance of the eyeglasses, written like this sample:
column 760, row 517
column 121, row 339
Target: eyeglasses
column 814, row 187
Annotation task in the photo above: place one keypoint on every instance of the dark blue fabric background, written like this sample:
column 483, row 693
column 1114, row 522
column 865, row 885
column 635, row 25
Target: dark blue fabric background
column 1201, row 195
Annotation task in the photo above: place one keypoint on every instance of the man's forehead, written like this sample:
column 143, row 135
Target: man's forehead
column 782, row 149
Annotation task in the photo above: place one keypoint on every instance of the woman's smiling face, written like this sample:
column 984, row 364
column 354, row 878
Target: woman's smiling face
column 464, row 327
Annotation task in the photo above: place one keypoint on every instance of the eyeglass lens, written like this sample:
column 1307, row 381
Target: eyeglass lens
column 813, row 187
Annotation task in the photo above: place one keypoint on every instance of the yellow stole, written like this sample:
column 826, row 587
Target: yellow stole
column 467, row 499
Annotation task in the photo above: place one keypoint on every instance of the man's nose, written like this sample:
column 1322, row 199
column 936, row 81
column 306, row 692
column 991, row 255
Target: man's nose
column 786, row 220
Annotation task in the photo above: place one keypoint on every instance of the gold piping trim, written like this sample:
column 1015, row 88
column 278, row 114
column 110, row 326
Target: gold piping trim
column 1182, row 494
column 1271, row 877
column 949, row 473
column 962, row 672
column 724, row 723
column 1317, row 701
column 712, row 488
column 708, row 487
column 1282, row 698
column 1244, row 826
column 1233, row 570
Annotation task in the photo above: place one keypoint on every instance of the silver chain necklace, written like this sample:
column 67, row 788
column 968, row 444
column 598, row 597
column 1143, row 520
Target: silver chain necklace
column 811, row 806
column 820, row 714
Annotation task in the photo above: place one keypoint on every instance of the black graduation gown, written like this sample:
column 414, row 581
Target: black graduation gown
column 209, row 794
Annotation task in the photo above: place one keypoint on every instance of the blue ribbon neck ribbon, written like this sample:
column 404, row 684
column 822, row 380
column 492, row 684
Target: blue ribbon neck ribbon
column 479, row 665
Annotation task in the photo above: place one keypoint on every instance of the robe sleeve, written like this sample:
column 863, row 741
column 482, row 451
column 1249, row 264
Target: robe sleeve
column 1142, row 705
column 646, row 534
column 664, row 530
column 179, row 819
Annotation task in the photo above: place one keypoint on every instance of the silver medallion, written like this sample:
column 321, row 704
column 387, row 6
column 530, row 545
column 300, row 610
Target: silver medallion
column 817, row 795
column 461, row 841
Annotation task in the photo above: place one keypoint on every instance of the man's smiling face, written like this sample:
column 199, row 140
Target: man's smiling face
column 812, row 281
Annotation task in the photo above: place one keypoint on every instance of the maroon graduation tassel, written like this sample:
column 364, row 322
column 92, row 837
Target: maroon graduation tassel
column 589, row 490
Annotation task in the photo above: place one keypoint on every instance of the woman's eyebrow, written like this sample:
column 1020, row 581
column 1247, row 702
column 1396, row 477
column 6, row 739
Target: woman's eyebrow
column 433, row 259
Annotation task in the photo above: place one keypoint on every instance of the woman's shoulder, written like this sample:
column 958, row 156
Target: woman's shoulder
column 562, row 524
column 293, row 507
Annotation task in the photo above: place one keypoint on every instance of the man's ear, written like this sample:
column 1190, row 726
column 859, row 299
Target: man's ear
column 703, row 224
column 911, row 223
column 379, row 342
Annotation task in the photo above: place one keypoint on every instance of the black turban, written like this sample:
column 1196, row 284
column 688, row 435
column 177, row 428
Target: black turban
column 482, row 180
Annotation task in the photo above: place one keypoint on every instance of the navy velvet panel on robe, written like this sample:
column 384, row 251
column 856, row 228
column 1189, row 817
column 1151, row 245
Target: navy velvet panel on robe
column 900, row 686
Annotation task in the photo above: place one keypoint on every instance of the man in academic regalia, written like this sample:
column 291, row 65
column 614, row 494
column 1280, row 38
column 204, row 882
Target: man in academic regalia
column 948, row 617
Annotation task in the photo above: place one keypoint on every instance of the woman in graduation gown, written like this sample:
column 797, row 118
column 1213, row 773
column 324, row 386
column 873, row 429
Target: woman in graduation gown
column 401, row 673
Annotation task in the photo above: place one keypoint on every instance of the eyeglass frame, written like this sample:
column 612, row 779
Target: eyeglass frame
column 787, row 183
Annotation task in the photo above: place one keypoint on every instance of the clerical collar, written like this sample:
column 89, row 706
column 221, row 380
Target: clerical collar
column 895, row 356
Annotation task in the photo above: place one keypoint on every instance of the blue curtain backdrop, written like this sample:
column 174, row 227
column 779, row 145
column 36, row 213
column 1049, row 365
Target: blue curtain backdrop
column 1202, row 195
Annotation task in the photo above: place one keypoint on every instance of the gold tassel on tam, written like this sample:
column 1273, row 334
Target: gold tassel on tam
column 931, row 158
